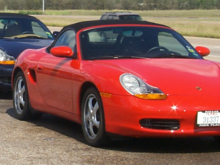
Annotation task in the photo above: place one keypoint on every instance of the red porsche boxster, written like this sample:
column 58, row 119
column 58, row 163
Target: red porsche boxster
column 135, row 79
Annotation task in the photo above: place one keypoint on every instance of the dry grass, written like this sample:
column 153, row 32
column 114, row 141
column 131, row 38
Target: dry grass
column 61, row 21
column 185, row 26
column 146, row 13
column 192, row 27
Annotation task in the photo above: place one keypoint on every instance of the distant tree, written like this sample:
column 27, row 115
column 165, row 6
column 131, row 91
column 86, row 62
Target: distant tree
column 2, row 5
column 101, row 4
column 217, row 4
column 34, row 4
column 74, row 4
column 127, row 4
column 110, row 4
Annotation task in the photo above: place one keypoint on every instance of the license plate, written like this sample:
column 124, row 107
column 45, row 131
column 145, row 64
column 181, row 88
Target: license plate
column 208, row 118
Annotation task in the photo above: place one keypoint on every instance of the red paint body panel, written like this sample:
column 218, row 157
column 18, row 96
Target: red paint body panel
column 62, row 51
column 59, row 81
column 123, row 114
column 203, row 51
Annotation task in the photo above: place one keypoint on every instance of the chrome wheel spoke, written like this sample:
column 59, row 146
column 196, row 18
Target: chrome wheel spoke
column 95, row 108
column 18, row 101
column 19, row 85
column 96, row 123
column 88, row 116
column 91, row 130
column 16, row 95
column 90, row 104
column 22, row 102
column 22, row 90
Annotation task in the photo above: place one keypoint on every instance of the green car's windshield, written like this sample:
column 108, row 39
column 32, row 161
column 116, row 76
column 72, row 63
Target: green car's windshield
column 131, row 41
column 23, row 28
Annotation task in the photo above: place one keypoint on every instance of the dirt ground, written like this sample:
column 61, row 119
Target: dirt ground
column 52, row 140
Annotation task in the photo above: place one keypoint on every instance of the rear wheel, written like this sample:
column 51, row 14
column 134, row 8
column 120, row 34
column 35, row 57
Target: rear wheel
column 21, row 99
column 92, row 117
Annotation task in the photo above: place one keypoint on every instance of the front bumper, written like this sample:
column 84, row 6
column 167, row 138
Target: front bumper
column 5, row 77
column 123, row 115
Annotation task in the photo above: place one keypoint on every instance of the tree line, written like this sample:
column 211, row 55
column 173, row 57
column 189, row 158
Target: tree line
column 109, row 4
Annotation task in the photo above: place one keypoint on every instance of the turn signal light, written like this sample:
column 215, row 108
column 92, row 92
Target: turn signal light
column 152, row 96
column 7, row 62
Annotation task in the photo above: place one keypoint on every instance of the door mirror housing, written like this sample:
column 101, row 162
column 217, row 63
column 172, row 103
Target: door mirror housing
column 62, row 51
column 55, row 34
column 203, row 51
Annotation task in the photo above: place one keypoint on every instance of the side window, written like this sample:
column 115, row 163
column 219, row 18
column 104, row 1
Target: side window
column 102, row 36
column 2, row 24
column 104, row 17
column 115, row 17
column 110, row 17
column 168, row 41
column 68, row 38
column 37, row 29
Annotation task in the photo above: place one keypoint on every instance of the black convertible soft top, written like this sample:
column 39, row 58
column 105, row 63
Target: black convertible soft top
column 81, row 25
column 15, row 15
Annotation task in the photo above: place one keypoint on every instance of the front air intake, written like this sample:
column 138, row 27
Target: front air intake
column 163, row 124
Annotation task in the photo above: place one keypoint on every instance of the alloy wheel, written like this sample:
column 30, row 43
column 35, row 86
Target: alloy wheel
column 19, row 95
column 91, row 116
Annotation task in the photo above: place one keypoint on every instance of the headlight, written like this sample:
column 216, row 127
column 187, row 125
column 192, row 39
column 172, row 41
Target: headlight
column 137, row 87
column 6, row 59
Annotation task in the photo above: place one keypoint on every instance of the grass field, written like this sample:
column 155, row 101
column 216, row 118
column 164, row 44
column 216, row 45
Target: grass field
column 199, row 23
column 149, row 13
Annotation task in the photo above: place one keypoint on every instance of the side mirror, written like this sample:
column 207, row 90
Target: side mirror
column 55, row 33
column 62, row 51
column 203, row 51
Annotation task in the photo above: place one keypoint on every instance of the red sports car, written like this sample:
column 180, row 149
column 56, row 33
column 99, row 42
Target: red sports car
column 135, row 79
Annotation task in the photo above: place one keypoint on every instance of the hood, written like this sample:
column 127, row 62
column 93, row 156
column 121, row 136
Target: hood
column 172, row 76
column 14, row 47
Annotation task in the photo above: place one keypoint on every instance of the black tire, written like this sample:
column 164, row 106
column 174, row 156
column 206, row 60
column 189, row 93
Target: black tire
column 92, row 116
column 22, row 108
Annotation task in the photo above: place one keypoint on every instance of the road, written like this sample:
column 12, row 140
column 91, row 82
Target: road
column 52, row 140
column 212, row 44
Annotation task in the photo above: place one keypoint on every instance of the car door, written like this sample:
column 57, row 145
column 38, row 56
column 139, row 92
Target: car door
column 55, row 75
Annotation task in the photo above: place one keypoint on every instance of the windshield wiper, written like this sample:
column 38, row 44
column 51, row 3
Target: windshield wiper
column 114, row 57
column 172, row 56
column 126, row 56
column 100, row 57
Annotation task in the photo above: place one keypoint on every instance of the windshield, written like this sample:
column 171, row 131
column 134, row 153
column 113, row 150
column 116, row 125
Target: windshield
column 135, row 42
column 23, row 28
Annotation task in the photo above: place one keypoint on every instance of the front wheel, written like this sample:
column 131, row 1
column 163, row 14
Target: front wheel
column 92, row 116
column 21, row 103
